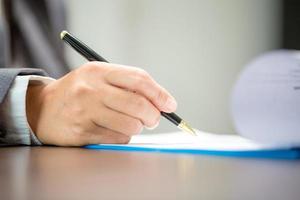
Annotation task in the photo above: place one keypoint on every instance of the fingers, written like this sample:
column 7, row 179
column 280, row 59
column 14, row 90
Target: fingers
column 132, row 104
column 117, row 121
column 137, row 80
column 102, row 135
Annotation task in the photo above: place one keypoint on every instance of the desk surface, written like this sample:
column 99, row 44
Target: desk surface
column 75, row 173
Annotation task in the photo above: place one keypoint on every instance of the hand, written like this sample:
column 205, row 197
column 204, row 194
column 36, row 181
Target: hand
column 96, row 103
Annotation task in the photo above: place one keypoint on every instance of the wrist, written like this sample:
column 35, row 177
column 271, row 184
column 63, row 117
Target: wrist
column 34, row 100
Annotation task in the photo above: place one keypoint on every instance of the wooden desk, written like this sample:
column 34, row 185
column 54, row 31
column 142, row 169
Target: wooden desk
column 74, row 173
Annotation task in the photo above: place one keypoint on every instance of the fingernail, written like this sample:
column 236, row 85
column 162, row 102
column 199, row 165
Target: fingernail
column 171, row 104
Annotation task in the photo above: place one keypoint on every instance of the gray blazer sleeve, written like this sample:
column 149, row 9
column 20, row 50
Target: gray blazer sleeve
column 9, row 135
column 7, row 77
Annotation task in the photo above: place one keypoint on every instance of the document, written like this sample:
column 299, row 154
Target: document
column 204, row 143
column 265, row 102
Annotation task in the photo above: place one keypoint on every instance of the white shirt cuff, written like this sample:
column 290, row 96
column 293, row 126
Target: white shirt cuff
column 13, row 111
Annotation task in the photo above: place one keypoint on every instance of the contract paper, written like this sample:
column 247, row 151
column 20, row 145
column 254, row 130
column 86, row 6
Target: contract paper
column 204, row 143
column 203, row 140
column 265, row 101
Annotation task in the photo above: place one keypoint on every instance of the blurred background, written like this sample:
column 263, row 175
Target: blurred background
column 194, row 48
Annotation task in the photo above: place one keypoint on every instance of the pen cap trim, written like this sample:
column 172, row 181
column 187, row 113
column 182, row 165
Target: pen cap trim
column 62, row 34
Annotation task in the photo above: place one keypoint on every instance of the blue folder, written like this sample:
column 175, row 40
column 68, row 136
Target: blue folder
column 293, row 153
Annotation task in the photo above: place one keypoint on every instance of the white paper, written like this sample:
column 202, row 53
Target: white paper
column 203, row 141
column 266, row 99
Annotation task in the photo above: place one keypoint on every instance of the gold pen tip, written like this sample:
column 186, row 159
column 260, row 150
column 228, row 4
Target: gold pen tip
column 63, row 33
column 187, row 128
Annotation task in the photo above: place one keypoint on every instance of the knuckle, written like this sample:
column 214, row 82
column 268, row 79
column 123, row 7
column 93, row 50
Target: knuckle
column 109, row 74
column 161, row 98
column 139, row 103
column 142, row 73
column 90, row 67
column 80, row 89
column 124, row 139
column 141, row 76
column 155, row 119
column 134, row 127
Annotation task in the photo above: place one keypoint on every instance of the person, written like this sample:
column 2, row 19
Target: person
column 95, row 103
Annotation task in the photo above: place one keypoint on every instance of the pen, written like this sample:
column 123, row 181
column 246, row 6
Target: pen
column 91, row 55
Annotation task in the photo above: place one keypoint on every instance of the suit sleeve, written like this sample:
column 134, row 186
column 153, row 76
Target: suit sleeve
column 14, row 128
column 7, row 76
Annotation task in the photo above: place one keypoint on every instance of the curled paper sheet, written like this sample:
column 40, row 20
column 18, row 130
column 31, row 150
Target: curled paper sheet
column 266, row 99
